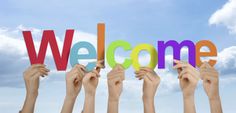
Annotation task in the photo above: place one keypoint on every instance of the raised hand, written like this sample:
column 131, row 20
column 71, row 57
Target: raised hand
column 150, row 84
column 31, row 78
column 74, row 80
column 210, row 79
column 73, row 86
column 90, row 83
column 188, row 79
column 115, row 82
column 115, row 85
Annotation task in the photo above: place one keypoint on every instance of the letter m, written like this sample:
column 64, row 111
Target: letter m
column 176, row 49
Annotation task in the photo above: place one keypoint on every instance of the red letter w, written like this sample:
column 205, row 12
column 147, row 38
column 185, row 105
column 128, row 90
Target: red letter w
column 49, row 37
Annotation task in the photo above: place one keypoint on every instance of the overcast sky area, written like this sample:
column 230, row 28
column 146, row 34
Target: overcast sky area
column 135, row 21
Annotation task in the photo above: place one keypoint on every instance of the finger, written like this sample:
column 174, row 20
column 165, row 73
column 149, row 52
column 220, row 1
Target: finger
column 185, row 76
column 150, row 76
column 74, row 76
column 81, row 72
column 180, row 65
column 208, row 66
column 93, row 76
column 177, row 61
column 99, row 65
column 147, row 69
column 140, row 71
column 96, row 72
column 98, row 69
column 140, row 78
column 79, row 75
column 203, row 65
column 146, row 79
column 141, row 74
column 38, row 74
column 37, row 65
column 43, row 71
column 179, row 70
column 31, row 72
column 118, row 67
column 182, row 73
column 79, row 66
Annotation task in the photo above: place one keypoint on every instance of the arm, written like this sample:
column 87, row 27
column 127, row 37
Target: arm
column 31, row 77
column 150, row 84
column 149, row 106
column 216, row 105
column 189, row 106
column 29, row 104
column 90, row 82
column 211, row 86
column 89, row 103
column 188, row 79
column 73, row 87
column 115, row 84
column 68, row 105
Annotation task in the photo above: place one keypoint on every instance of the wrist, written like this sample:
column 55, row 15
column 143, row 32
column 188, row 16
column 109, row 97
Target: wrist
column 31, row 95
column 70, row 98
column 215, row 98
column 90, row 93
column 148, row 100
column 113, row 99
column 188, row 96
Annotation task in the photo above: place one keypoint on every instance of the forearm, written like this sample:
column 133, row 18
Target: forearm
column 216, row 105
column 189, row 105
column 148, row 105
column 68, row 105
column 89, row 103
column 29, row 103
column 112, row 106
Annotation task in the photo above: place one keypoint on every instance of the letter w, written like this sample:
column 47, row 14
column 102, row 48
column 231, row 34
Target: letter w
column 49, row 37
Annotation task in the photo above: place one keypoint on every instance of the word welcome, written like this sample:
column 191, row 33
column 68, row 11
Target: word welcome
column 157, row 56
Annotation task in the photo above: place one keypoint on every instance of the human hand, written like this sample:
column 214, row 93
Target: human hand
column 90, row 80
column 188, row 77
column 151, row 82
column 115, row 82
column 74, row 80
column 210, row 78
column 31, row 78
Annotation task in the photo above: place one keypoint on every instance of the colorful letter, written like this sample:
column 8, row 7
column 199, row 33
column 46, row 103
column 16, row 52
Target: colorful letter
column 101, row 42
column 176, row 49
column 75, row 56
column 199, row 54
column 138, row 49
column 49, row 37
column 111, row 53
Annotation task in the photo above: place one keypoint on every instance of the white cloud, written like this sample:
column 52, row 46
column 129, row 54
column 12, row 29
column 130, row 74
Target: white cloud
column 225, row 16
column 227, row 56
column 226, row 61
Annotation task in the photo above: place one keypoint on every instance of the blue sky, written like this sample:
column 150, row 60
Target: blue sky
column 136, row 21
